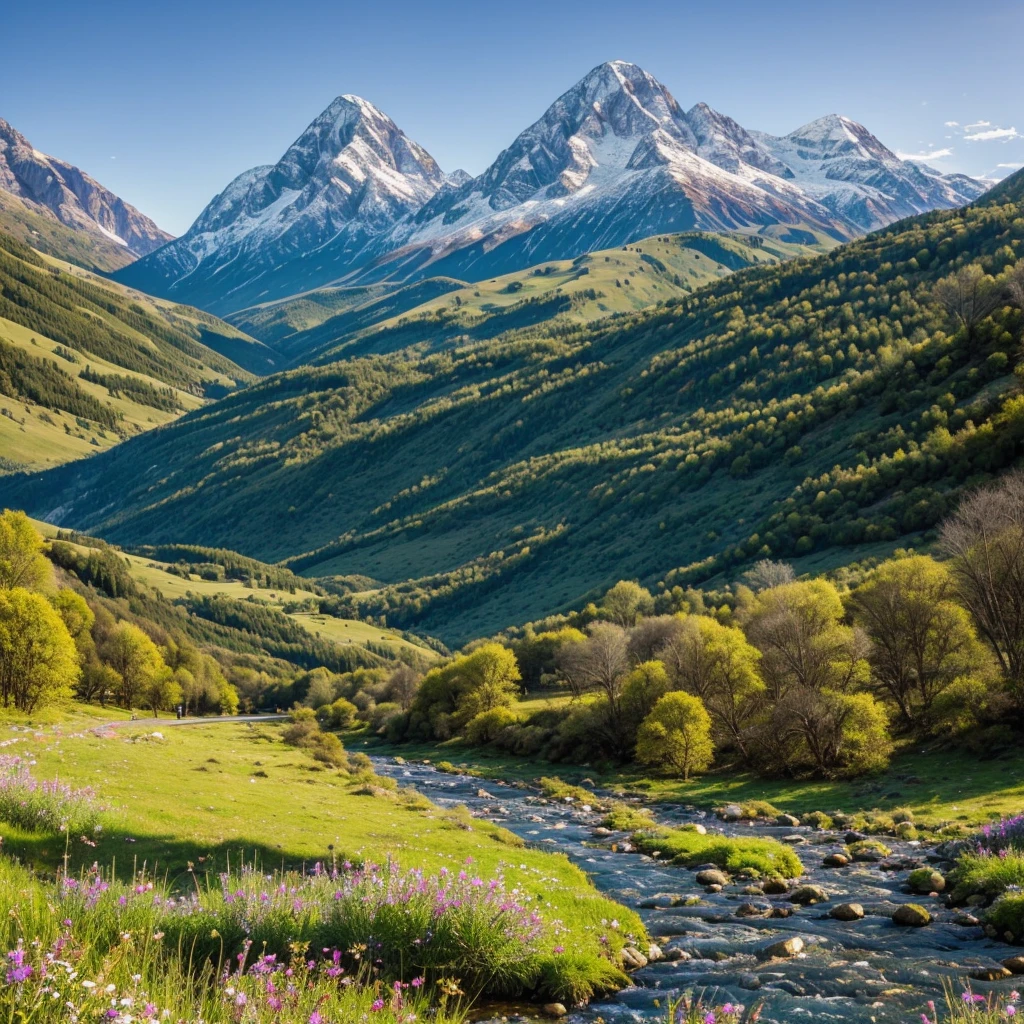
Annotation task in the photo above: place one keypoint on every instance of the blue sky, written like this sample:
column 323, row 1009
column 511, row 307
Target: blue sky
column 165, row 103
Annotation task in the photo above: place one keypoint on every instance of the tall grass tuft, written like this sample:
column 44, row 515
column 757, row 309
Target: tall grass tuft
column 40, row 805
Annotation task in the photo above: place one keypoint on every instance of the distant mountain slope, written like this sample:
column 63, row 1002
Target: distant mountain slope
column 824, row 408
column 85, row 363
column 34, row 185
column 613, row 160
column 440, row 313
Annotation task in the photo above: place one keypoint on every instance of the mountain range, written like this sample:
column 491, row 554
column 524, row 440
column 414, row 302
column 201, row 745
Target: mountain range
column 354, row 201
column 39, row 192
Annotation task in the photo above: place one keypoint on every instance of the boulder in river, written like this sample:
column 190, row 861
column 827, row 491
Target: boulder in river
column 787, row 820
column 806, row 895
column 997, row 972
column 752, row 910
column 1015, row 964
column 785, row 948
column 731, row 812
column 712, row 876
column 911, row 915
column 554, row 1010
column 836, row 860
column 847, row 912
column 675, row 954
column 926, row 880
column 775, row 886
column 654, row 953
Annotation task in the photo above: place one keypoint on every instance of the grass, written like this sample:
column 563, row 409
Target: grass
column 206, row 797
column 97, row 949
column 987, row 875
column 683, row 846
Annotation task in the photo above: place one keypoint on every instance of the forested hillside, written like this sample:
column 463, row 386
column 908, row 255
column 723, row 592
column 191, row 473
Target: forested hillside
column 823, row 409
column 85, row 364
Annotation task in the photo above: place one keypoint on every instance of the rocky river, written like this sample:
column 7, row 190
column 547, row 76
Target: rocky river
column 863, row 970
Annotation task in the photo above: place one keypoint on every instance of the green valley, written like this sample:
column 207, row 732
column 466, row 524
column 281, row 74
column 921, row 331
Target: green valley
column 824, row 409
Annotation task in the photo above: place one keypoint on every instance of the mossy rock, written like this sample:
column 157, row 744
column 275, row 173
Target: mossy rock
column 906, row 831
column 926, row 880
column 911, row 915
column 868, row 850
column 817, row 819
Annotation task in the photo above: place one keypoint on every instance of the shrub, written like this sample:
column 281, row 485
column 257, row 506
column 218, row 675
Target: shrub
column 1007, row 914
column 488, row 725
column 1005, row 834
column 341, row 714
column 987, row 874
column 754, row 809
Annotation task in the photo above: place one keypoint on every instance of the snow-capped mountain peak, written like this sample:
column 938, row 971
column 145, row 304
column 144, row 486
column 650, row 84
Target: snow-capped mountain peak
column 835, row 135
column 613, row 159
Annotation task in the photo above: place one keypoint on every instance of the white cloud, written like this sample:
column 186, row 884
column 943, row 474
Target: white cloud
column 1012, row 167
column 994, row 135
column 952, row 124
column 934, row 154
column 977, row 124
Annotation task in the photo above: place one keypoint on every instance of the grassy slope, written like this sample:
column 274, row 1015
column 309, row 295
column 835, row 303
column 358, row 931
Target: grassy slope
column 44, row 232
column 354, row 321
column 195, row 797
column 155, row 576
column 40, row 437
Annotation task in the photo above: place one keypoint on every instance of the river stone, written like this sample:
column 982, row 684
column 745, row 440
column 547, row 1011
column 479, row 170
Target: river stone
column 554, row 1009
column 1015, row 965
column 714, row 887
column 794, row 840
column 696, row 827
column 731, row 812
column 966, row 920
column 712, row 876
column 675, row 954
column 483, row 794
column 601, row 831
column 786, row 948
column 787, row 820
column 836, row 860
column 847, row 912
column 782, row 911
column 995, row 973
column 654, row 953
column 632, row 957
column 806, row 895
column 752, row 910
column 854, row 837
column 750, row 982
column 910, row 915
column 775, row 886
column 753, row 890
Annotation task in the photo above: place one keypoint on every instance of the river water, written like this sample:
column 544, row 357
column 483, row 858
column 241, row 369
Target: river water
column 862, row 971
